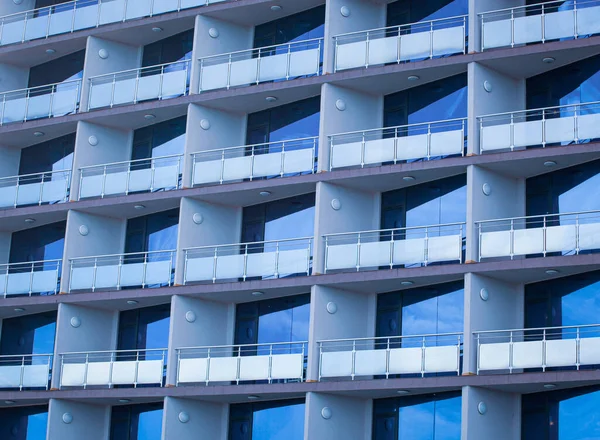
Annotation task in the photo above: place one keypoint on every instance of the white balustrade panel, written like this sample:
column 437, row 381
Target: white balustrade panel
column 61, row 22
column 254, row 367
column 33, row 193
column 527, row 133
column 20, row 283
column 27, row 376
column 98, row 373
column 375, row 254
column 494, row 244
column 370, row 362
column 346, row 155
column 441, row 359
column 588, row 126
column 287, row 366
column 341, row 256
column 589, row 236
column 199, row 269
column 336, row 364
column 12, row 32
column 448, row 41
column 494, row 356
column 161, row 177
column 445, row 248
column 192, row 370
column 559, row 130
column 15, row 110
column 72, row 375
column 112, row 373
column 409, row 251
column 528, row 241
column 496, row 137
column 561, row 352
column 8, row 196
column 125, row 275
column 406, row 360
column 36, row 27
column 527, row 354
column 223, row 369
column 411, row 147
column 589, row 353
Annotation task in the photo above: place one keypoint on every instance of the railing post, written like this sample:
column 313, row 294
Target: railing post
column 362, row 151
column 276, row 260
column 239, row 364
column 353, row 370
column 335, row 54
column 544, row 230
column 22, row 372
column 282, row 166
column 41, row 193
column 510, row 353
column 578, row 349
column 215, row 265
column 145, row 268
column 229, row 66
column 423, row 356
column 387, row 359
column 543, row 23
column 426, row 248
column 27, row 97
column 577, row 234
column 245, row 268
column 428, row 141
column 320, row 360
column 207, row 380
column 137, row 85
column 52, row 93
column 119, row 268
column 358, row 253
column 270, row 364
column 330, row 153
column 314, row 151
column 367, row 51
column 252, row 156
column 575, row 19
column 31, row 279
column 258, row 60
column 112, row 94
column 161, row 82
column 512, row 239
column 152, row 173
column 24, row 28
column 512, row 28
column 431, row 39
column 137, row 367
column 478, row 353
column 222, row 166
column 94, row 275
column 544, row 350
column 289, row 60
column 326, row 253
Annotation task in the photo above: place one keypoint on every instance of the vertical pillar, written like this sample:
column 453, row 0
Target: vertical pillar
column 69, row 420
column 337, row 417
column 186, row 419
column 487, row 413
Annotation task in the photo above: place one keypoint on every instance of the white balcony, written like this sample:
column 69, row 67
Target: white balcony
column 83, row 14
column 554, row 20
column 562, row 125
column 109, row 368
column 410, row 247
column 385, row 356
column 164, row 81
column 550, row 347
column 563, row 234
column 396, row 44
column 155, row 174
column 395, row 144
column 144, row 270
column 25, row 371
column 264, row 259
column 35, row 189
column 274, row 159
column 30, row 278
column 40, row 102
column 241, row 363
column 253, row 66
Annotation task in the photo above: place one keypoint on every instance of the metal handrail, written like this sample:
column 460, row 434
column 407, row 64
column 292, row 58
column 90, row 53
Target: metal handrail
column 137, row 70
column 32, row 355
column 29, row 263
column 149, row 159
column 533, row 6
column 29, row 89
column 43, row 173
column 242, row 345
column 228, row 54
column 122, row 255
column 542, row 109
column 537, row 216
column 252, row 146
column 285, row 240
column 395, row 229
column 397, row 127
column 377, row 338
column 142, row 350
column 536, row 329
column 18, row 360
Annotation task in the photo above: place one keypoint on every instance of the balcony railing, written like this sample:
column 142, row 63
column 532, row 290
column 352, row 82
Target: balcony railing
column 153, row 174
column 264, row 259
column 253, row 66
column 35, row 189
column 564, row 234
column 554, row 20
column 40, row 102
column 241, row 363
column 164, row 81
column 30, row 278
column 25, row 371
column 510, row 350
column 396, row 44
column 144, row 269
column 394, row 144
column 255, row 161
column 385, row 356
column 83, row 14
column 561, row 125
column 109, row 368
column 413, row 246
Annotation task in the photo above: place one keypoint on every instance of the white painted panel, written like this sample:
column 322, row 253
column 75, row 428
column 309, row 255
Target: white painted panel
column 54, row 190
column 148, row 87
column 138, row 9
column 262, row 264
column 39, row 106
column 351, row 55
column 560, row 129
column 192, row 370
column 124, row 91
column 158, row 272
column 14, row 110
column 91, row 186
column 287, row 366
column 174, row 84
column 448, row 41
column 346, row 155
column 415, row 46
column 100, row 95
column 336, row 364
column 494, row 356
column 589, row 351
column 140, row 180
column 445, row 248
column 588, row 21
column 65, row 100
column 8, row 195
column 405, row 360
column 494, row 244
column 230, row 266
column 298, row 161
column 61, row 22
column 214, row 77
column 561, row 238
column 528, row 133
column 115, row 183
column 3, row 282
column 304, row 62
column 237, row 168
column 254, row 367
column 378, row 253
column 441, row 359
column 447, row 143
column 223, row 369
column 341, row 256
column 36, row 376
column 495, row 137
column 199, row 269
column 112, row 11
column 150, row 371
column 244, row 72
column 588, row 126
column 132, row 274
column 106, row 277
column 589, row 236
column 162, row 6
column 29, row 194
column 411, row 147
column 267, row 164
column 82, row 278
column 123, row 372
column 18, row 283
column 45, row 281
column 207, row 172
column 10, row 376
column 98, row 373
column 528, row 29
column 36, row 27
column 273, row 67
column 528, row 241
column 13, row 32
column 497, row 34
column 165, row 177
column 409, row 251
column 561, row 353
column 379, row 150
column 559, row 24
column 369, row 362
column 72, row 375
column 382, row 51
column 293, row 261
column 527, row 354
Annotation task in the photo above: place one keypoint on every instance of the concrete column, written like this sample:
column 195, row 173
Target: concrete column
column 120, row 57
column 504, row 309
column 13, row 77
column 501, row 419
column 354, row 318
column 197, row 323
column 204, row 419
column 9, row 7
column 5, row 239
column 364, row 15
column 209, row 129
column 362, row 111
column 97, row 331
column 219, row 224
column 359, row 211
column 112, row 145
column 351, row 418
column 105, row 236
column 477, row 7
column 85, row 421
column 507, row 95
column 10, row 159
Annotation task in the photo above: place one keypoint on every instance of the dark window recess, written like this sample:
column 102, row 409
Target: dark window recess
column 144, row 328
column 411, row 11
column 162, row 139
column 24, row 423
column 53, row 155
column 136, row 422
column 282, row 419
column 65, row 68
column 301, row 26
column 38, row 244
column 29, row 334
column 171, row 49
column 154, row 232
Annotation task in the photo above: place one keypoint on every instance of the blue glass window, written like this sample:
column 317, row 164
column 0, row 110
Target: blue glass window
column 53, row 155
column 298, row 27
column 175, row 48
column 414, row 11
column 136, row 422
column 29, row 334
column 154, row 232
column 162, row 139
column 427, row 417
column 69, row 67
column 267, row 420
column 38, row 244
column 24, row 423
column 144, row 329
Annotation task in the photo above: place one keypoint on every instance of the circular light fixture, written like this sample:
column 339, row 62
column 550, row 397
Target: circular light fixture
column 549, row 386
column 139, row 206
column 197, row 218
column 67, row 418
column 257, row 293
column 265, row 193
column 340, row 104
column 213, row 33
column 9, row 402
column 19, row 309
column 336, row 205
column 205, row 124
column 50, row 51
column 271, row 98
column 551, row 272
column 75, row 322
column 149, row 116
column 331, row 308
column 486, row 188
column 408, row 178
column 124, row 400
column 482, row 408
column 548, row 60
column 253, row 397
column 484, row 294
column 183, row 417
column 402, row 392
column 326, row 413
column 190, row 316
column 93, row 140
column 84, row 230
column 38, row 133
column 407, row 283
column 275, row 8
column 157, row 29
column 132, row 302
column 345, row 11
column 487, row 86
column 413, row 78
column 103, row 53
column 29, row 220
column 549, row 163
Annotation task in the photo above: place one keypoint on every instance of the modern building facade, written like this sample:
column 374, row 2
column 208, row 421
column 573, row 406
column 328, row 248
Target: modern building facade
column 299, row 219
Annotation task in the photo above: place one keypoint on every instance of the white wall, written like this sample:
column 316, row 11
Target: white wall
column 206, row 420
column 90, row 422
column 13, row 77
column 479, row 6
column 5, row 239
column 9, row 164
column 350, row 417
column 9, row 7
column 502, row 419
